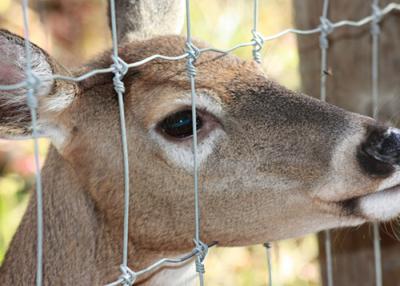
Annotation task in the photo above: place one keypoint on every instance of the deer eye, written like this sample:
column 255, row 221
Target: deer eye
column 179, row 124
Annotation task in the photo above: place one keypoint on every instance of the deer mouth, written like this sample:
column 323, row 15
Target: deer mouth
column 382, row 205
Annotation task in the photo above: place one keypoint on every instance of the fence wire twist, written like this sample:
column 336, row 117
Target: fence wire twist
column 119, row 68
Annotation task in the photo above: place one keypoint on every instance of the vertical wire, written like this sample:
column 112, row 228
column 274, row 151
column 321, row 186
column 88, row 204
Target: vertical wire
column 194, row 128
column 328, row 252
column 324, row 49
column 32, row 102
column 255, row 15
column 256, row 55
column 123, row 136
column 258, row 39
column 324, row 44
column 375, row 31
column 267, row 246
column 377, row 254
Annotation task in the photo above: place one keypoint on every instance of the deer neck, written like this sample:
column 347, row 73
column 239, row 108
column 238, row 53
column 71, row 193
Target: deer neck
column 80, row 248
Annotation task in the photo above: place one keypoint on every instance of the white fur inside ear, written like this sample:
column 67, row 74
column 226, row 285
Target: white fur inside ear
column 43, row 71
column 14, row 58
column 59, row 101
column 13, row 103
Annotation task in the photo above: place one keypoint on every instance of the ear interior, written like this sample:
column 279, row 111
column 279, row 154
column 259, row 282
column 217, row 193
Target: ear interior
column 15, row 113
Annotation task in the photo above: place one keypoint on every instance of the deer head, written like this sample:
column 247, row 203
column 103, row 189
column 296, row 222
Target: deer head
column 273, row 163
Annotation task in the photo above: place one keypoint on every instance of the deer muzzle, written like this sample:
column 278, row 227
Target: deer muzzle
column 380, row 153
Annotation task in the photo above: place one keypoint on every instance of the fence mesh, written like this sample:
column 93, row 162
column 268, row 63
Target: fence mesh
column 119, row 68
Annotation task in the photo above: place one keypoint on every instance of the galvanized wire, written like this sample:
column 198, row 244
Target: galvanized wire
column 258, row 40
column 32, row 83
column 387, row 9
column 119, row 68
column 158, row 264
column 267, row 246
column 193, row 54
column 326, row 28
column 375, row 32
column 328, row 253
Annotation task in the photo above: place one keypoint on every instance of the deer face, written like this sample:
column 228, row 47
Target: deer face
column 273, row 163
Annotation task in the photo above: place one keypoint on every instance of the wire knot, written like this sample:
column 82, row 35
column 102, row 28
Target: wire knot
column 201, row 253
column 200, row 266
column 326, row 28
column 258, row 42
column 192, row 51
column 120, row 69
column 32, row 83
column 128, row 276
column 201, row 249
column 377, row 16
column 193, row 54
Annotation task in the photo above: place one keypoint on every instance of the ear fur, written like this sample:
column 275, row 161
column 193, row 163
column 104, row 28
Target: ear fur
column 15, row 119
column 142, row 19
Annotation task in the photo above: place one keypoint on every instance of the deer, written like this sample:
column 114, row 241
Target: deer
column 273, row 163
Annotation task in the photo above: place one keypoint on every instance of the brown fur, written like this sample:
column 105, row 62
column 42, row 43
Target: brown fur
column 283, row 165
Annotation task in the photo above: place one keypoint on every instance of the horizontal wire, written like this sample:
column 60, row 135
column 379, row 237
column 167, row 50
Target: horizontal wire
column 387, row 9
column 162, row 262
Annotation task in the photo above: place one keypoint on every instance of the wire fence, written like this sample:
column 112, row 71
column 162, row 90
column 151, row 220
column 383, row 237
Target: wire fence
column 119, row 68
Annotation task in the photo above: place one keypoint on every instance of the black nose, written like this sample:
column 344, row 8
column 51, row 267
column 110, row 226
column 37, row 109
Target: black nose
column 380, row 152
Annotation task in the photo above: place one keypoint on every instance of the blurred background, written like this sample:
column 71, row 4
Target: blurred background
column 73, row 31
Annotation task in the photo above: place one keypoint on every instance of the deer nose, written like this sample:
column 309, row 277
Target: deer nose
column 380, row 152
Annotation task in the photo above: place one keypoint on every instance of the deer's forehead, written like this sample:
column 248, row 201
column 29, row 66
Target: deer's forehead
column 215, row 73
column 156, row 84
column 161, row 89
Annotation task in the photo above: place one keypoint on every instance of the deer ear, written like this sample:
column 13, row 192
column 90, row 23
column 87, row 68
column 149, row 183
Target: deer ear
column 53, row 97
column 141, row 19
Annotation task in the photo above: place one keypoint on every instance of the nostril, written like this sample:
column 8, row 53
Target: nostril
column 390, row 147
column 384, row 146
column 380, row 151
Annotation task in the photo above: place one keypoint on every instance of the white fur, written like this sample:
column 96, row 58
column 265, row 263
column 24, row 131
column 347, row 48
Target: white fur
column 41, row 69
column 15, row 55
column 58, row 102
column 392, row 130
column 393, row 180
column 55, row 133
column 382, row 205
column 204, row 101
column 181, row 154
column 343, row 176
column 184, row 275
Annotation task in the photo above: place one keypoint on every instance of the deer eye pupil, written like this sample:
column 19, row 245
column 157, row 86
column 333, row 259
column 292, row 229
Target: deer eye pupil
column 179, row 125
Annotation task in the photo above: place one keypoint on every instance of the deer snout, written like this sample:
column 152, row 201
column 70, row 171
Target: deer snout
column 380, row 152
